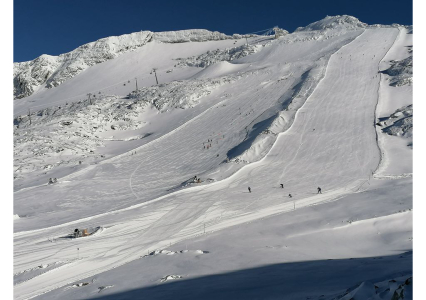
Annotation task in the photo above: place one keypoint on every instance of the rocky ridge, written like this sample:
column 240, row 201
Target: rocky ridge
column 51, row 71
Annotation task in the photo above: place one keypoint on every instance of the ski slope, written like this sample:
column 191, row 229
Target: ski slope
column 178, row 154
column 320, row 97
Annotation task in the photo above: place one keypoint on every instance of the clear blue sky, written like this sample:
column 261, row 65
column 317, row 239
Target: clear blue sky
column 58, row 26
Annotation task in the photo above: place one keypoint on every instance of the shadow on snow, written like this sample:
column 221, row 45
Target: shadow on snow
column 298, row 280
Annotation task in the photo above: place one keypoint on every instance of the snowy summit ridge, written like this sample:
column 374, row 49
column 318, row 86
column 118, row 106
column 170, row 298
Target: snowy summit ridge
column 334, row 22
column 52, row 71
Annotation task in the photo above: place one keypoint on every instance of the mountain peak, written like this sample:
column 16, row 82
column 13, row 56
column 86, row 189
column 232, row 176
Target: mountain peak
column 334, row 22
column 52, row 71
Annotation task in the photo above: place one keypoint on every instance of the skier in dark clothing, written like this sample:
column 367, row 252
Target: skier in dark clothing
column 282, row 185
column 289, row 195
column 249, row 189
column 319, row 190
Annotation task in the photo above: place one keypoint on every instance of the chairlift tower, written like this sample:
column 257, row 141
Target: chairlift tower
column 90, row 100
column 155, row 73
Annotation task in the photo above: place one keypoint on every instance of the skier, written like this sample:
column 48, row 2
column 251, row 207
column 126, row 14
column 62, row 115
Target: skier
column 289, row 195
column 319, row 190
column 249, row 189
column 282, row 185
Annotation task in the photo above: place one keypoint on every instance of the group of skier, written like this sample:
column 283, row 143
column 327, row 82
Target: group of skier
column 208, row 144
column 289, row 195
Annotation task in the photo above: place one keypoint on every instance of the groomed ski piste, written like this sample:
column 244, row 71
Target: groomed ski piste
column 300, row 110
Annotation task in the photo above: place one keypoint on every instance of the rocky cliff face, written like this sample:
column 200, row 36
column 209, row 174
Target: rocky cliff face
column 51, row 71
column 27, row 76
column 401, row 72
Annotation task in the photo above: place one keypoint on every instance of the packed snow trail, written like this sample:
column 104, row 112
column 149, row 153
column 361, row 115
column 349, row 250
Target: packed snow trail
column 338, row 155
column 332, row 142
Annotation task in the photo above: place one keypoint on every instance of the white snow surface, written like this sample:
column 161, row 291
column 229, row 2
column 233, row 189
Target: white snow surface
column 334, row 22
column 52, row 71
column 300, row 110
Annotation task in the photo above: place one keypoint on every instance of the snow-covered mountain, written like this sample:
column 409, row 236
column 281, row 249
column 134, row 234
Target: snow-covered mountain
column 51, row 71
column 335, row 22
column 150, row 142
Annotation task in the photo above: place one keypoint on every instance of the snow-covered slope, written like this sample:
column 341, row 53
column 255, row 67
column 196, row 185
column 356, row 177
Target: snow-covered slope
column 167, row 167
column 401, row 72
column 52, row 71
column 394, row 109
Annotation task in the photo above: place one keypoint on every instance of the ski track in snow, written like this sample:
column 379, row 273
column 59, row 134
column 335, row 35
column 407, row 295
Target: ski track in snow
column 301, row 158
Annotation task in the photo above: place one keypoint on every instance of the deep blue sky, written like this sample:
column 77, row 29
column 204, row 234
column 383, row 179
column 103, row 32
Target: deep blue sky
column 58, row 26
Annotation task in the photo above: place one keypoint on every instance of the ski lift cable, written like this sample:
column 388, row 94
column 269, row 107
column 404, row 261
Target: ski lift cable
column 80, row 95
column 260, row 31
column 110, row 86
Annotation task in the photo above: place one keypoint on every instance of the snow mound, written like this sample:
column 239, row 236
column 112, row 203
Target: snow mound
column 15, row 217
column 170, row 277
column 334, row 22
column 401, row 72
